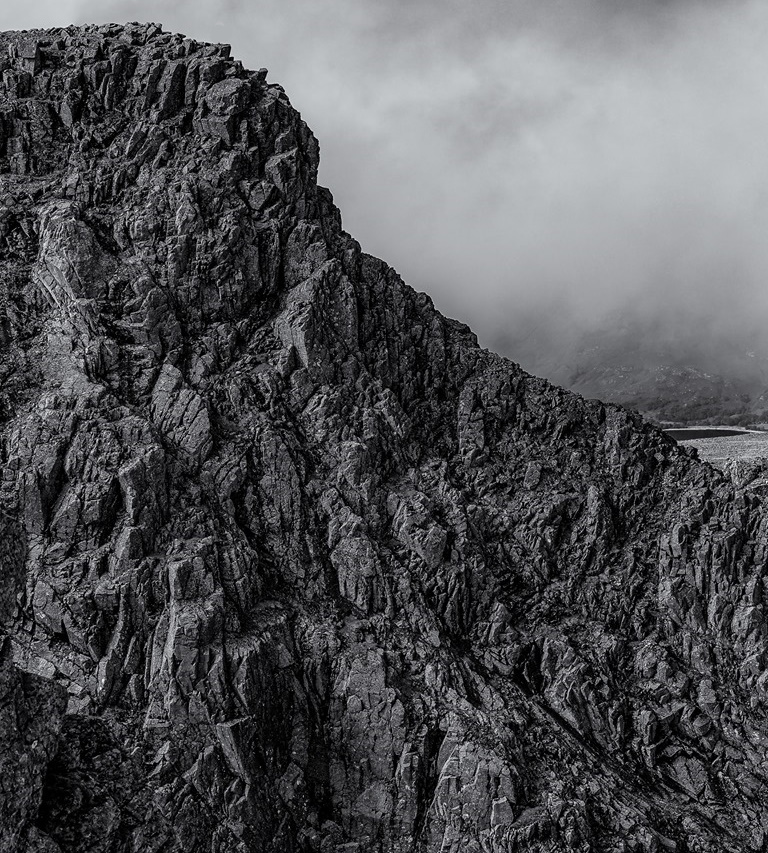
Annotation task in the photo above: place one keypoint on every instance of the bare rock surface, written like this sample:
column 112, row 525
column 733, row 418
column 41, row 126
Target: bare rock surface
column 290, row 563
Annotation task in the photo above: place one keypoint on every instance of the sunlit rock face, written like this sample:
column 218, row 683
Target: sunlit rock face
column 294, row 564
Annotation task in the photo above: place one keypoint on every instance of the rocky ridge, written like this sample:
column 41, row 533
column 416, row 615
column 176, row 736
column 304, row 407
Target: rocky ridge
column 292, row 564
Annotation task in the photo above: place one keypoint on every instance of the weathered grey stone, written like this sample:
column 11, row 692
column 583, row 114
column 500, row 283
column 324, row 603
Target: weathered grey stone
column 312, row 570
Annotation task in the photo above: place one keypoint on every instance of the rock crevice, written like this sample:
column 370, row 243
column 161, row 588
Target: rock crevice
column 297, row 566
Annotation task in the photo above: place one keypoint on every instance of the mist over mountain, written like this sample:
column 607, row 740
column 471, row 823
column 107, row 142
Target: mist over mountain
column 677, row 366
column 580, row 159
column 289, row 562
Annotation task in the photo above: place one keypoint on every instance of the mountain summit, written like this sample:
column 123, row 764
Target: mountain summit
column 290, row 563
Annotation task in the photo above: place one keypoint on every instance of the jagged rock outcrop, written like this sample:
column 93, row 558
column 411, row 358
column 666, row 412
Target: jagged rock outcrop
column 31, row 715
column 316, row 572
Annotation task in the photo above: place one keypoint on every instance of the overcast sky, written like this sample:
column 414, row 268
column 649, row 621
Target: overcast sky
column 505, row 155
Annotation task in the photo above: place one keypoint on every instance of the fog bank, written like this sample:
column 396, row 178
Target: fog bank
column 529, row 168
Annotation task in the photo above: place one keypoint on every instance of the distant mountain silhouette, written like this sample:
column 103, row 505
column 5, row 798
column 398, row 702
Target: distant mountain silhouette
column 673, row 368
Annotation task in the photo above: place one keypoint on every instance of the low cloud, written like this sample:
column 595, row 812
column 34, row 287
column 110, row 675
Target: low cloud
column 563, row 162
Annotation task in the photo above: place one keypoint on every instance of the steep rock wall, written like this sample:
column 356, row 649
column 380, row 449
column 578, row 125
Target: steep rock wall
column 315, row 571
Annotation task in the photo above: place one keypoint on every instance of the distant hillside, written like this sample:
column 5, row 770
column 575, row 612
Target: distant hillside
column 672, row 369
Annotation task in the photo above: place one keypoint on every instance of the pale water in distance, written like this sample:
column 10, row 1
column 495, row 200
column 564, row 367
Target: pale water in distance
column 718, row 446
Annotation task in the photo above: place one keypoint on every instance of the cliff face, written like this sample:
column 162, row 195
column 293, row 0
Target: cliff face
column 314, row 571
